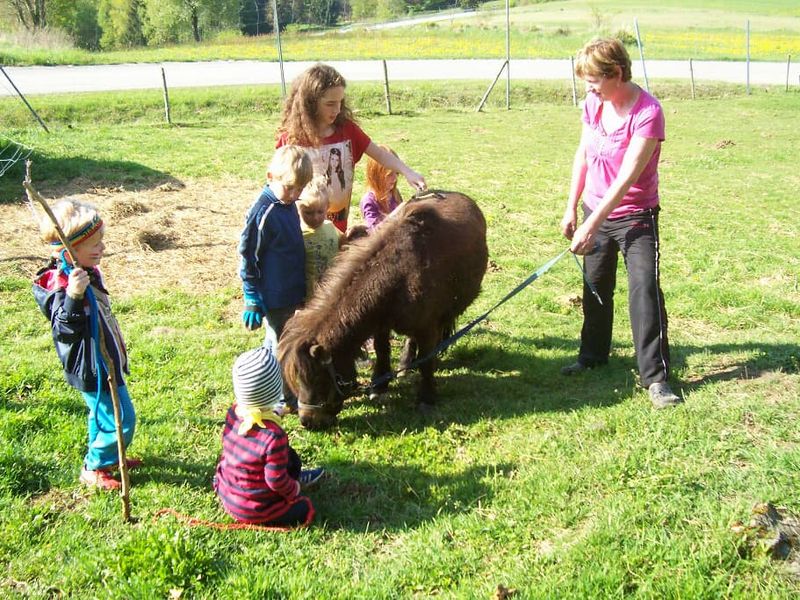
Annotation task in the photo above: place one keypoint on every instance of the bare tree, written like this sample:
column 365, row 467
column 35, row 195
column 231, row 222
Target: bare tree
column 32, row 14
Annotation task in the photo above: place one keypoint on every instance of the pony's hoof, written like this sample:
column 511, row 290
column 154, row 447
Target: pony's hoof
column 376, row 395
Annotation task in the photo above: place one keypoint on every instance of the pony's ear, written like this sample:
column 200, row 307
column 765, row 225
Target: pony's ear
column 319, row 353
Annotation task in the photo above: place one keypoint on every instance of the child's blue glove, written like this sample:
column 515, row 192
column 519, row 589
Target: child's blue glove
column 253, row 312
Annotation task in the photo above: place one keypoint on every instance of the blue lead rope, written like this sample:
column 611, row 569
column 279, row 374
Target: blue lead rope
column 94, row 329
column 446, row 343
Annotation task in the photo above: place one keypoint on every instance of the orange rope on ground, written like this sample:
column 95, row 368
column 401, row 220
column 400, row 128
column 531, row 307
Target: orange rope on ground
column 193, row 522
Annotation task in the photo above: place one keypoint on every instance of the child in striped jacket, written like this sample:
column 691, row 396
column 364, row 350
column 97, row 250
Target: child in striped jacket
column 259, row 478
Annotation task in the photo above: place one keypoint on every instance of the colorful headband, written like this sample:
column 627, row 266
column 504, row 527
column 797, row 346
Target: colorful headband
column 83, row 234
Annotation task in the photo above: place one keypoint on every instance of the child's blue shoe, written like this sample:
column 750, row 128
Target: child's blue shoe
column 310, row 477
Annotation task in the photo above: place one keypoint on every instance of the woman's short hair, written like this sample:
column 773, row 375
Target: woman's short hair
column 602, row 57
column 291, row 166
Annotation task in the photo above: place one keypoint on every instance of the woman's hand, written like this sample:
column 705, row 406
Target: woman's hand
column 568, row 223
column 77, row 283
column 583, row 239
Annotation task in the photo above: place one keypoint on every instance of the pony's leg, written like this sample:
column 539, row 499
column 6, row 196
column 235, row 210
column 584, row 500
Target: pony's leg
column 426, row 391
column 382, row 364
column 408, row 356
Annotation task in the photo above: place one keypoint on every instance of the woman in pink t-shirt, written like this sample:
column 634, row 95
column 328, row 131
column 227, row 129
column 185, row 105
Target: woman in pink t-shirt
column 615, row 170
column 316, row 116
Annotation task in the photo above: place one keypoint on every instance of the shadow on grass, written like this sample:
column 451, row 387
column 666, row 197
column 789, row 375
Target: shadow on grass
column 362, row 496
column 748, row 360
column 506, row 379
column 499, row 380
column 174, row 472
column 50, row 173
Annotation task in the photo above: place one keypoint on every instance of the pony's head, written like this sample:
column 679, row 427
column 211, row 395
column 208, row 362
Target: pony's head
column 320, row 381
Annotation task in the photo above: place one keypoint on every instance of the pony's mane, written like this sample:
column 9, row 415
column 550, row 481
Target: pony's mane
column 353, row 285
column 359, row 271
column 358, row 274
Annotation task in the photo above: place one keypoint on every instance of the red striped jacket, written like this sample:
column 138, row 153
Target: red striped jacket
column 252, row 478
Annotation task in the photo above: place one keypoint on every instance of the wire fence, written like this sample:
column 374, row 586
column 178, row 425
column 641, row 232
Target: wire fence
column 39, row 80
column 12, row 152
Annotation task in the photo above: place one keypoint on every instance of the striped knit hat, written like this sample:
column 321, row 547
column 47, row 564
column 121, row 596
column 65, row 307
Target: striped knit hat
column 257, row 381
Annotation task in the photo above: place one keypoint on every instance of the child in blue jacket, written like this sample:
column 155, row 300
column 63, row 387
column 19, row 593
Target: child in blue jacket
column 271, row 246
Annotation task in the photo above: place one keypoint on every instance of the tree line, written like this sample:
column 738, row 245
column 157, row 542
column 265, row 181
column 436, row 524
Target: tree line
column 108, row 24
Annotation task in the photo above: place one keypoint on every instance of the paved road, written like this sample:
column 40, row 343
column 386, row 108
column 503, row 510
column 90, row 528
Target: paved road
column 62, row 79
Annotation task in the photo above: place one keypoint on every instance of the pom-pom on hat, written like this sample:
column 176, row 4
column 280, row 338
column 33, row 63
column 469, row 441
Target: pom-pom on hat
column 257, row 381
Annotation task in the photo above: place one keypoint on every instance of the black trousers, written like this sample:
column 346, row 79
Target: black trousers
column 636, row 236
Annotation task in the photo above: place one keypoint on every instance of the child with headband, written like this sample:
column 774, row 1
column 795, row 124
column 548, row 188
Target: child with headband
column 71, row 293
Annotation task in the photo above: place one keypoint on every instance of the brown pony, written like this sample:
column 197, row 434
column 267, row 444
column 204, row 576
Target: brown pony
column 414, row 275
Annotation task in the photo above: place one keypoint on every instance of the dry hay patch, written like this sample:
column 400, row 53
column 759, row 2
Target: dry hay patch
column 175, row 236
column 120, row 208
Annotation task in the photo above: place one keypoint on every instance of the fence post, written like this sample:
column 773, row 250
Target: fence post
column 386, row 89
column 788, row 64
column 166, row 96
column 747, row 62
column 691, row 76
column 508, row 56
column 30, row 108
column 641, row 53
column 486, row 95
column 574, row 87
column 280, row 48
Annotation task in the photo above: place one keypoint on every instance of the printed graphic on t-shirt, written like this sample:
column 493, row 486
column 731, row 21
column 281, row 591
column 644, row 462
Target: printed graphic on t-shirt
column 319, row 252
column 335, row 163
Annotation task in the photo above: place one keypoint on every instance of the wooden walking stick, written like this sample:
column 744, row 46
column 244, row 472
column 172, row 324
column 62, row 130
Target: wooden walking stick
column 112, row 372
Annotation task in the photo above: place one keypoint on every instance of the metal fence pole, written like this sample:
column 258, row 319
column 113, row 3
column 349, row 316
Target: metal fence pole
column 788, row 64
column 641, row 53
column 574, row 87
column 280, row 50
column 691, row 76
column 486, row 95
column 747, row 63
column 30, row 108
column 386, row 89
column 166, row 96
column 508, row 57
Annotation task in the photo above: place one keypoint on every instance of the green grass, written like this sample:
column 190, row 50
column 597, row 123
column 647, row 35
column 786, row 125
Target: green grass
column 674, row 29
column 123, row 139
column 559, row 488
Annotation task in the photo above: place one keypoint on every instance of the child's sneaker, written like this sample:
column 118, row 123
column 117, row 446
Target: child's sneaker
column 133, row 463
column 310, row 477
column 99, row 478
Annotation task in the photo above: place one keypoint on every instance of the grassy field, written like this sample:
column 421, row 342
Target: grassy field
column 557, row 488
column 674, row 29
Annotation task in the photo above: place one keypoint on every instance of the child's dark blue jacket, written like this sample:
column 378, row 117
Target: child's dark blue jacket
column 273, row 253
column 69, row 320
